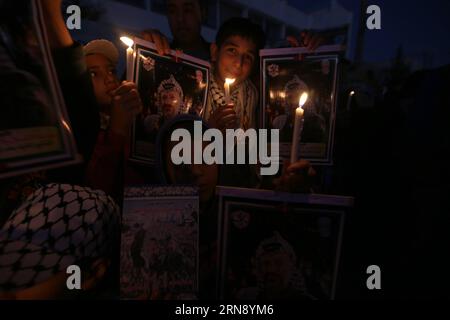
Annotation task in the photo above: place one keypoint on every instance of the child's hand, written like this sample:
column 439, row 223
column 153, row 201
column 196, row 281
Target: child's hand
column 125, row 106
column 309, row 40
column 223, row 118
column 296, row 177
column 160, row 41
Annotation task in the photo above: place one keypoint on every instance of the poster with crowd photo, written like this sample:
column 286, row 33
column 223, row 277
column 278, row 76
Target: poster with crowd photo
column 286, row 74
column 168, row 85
column 159, row 245
column 34, row 129
column 279, row 246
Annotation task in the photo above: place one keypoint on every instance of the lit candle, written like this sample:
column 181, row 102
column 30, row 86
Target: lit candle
column 298, row 128
column 228, row 81
column 129, row 42
column 349, row 101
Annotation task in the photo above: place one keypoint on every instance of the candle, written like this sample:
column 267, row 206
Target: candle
column 298, row 127
column 228, row 81
column 129, row 42
column 349, row 101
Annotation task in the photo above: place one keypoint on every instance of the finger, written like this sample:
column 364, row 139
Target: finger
column 225, row 113
column 146, row 36
column 125, row 87
column 299, row 165
column 228, row 118
column 219, row 113
column 293, row 41
column 314, row 44
column 129, row 91
column 306, row 38
column 229, row 106
column 165, row 44
column 157, row 40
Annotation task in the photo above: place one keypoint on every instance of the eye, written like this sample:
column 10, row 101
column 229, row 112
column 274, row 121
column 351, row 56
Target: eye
column 93, row 74
column 233, row 51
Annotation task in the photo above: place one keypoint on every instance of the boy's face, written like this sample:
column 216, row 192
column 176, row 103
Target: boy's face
column 234, row 59
column 185, row 20
column 204, row 176
column 170, row 103
column 104, row 78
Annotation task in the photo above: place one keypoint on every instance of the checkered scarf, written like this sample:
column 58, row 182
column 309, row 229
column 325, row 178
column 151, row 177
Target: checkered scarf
column 57, row 226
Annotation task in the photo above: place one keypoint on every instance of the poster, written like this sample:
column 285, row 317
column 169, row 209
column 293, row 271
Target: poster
column 286, row 74
column 279, row 246
column 169, row 86
column 159, row 245
column 35, row 132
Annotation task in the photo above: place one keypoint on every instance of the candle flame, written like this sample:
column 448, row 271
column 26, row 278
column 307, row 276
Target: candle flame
column 229, row 81
column 303, row 99
column 128, row 41
column 352, row 93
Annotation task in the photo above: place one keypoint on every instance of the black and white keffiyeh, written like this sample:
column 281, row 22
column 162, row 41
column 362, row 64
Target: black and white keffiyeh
column 57, row 226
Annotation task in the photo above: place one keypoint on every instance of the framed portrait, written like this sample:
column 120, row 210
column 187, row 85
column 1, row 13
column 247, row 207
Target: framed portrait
column 35, row 132
column 159, row 244
column 279, row 246
column 168, row 86
column 286, row 74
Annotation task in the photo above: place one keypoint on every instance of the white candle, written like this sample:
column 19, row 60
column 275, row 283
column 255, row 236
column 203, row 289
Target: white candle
column 298, row 128
column 228, row 81
column 130, row 52
column 349, row 101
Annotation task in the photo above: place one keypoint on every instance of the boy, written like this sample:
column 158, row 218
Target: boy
column 234, row 55
column 185, row 19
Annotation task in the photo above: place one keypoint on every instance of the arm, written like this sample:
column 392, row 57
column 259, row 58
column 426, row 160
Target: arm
column 74, row 78
column 76, row 86
column 105, row 168
column 59, row 36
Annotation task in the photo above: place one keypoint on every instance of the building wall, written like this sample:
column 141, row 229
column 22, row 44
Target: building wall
column 276, row 17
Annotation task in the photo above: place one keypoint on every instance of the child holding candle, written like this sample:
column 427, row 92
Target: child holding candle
column 234, row 56
column 119, row 103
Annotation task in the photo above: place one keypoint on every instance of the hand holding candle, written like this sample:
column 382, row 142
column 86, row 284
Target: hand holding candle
column 298, row 128
column 129, row 42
